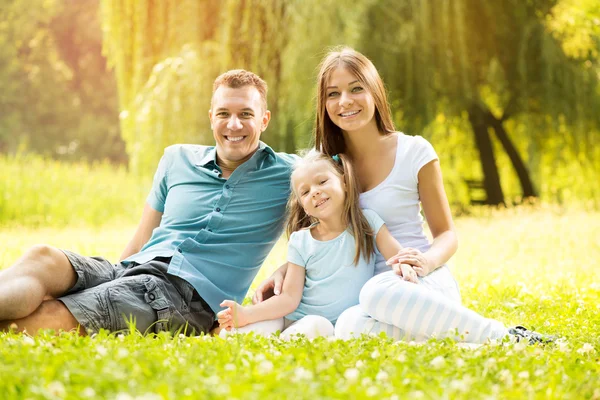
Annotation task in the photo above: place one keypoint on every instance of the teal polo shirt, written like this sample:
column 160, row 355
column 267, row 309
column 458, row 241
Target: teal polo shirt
column 218, row 231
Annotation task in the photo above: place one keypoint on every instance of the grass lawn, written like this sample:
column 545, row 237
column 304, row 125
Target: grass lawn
column 536, row 267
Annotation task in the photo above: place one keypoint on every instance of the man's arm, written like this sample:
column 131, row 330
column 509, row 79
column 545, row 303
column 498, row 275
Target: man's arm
column 150, row 220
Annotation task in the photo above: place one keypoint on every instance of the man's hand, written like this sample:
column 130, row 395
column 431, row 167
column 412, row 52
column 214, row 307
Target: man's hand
column 269, row 287
column 406, row 271
column 420, row 263
column 234, row 316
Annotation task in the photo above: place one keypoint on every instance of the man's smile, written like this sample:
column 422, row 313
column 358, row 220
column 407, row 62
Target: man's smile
column 235, row 138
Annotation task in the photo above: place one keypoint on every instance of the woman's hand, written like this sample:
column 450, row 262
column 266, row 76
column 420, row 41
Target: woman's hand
column 269, row 287
column 234, row 316
column 406, row 271
column 419, row 261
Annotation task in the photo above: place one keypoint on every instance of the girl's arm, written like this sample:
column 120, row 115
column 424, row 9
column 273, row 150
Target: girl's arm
column 439, row 218
column 389, row 247
column 275, row 307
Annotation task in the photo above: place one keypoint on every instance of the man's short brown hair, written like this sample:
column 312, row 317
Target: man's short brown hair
column 237, row 78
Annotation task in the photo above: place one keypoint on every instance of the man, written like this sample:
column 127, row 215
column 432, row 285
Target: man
column 210, row 220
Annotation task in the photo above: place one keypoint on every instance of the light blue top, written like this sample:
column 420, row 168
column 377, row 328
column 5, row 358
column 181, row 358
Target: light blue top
column 332, row 282
column 218, row 231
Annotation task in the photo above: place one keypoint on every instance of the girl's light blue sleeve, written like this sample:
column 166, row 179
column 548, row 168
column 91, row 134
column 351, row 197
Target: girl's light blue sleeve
column 374, row 220
column 295, row 250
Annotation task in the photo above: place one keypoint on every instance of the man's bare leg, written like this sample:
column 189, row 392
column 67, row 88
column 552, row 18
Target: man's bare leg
column 44, row 272
column 51, row 314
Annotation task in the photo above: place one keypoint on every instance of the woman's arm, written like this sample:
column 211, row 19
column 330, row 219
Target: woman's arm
column 439, row 218
column 270, row 286
column 388, row 246
column 275, row 307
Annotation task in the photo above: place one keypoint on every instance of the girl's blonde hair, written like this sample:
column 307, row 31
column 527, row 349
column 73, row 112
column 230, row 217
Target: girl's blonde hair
column 353, row 216
column 327, row 135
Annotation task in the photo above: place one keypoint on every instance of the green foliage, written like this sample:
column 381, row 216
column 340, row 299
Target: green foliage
column 58, row 98
column 41, row 192
column 530, row 265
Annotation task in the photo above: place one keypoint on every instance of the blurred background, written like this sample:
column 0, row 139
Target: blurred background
column 92, row 91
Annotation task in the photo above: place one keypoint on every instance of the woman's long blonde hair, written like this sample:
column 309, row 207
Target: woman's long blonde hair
column 353, row 216
column 328, row 136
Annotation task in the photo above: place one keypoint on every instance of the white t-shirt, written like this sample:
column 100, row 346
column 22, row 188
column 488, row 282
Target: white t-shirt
column 396, row 199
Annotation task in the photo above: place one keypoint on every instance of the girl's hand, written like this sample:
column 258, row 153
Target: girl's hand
column 234, row 316
column 406, row 272
column 269, row 287
column 408, row 255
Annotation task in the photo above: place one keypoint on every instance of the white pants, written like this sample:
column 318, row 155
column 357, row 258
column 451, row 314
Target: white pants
column 311, row 326
column 404, row 310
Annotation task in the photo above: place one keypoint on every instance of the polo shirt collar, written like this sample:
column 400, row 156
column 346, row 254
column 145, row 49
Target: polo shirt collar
column 211, row 155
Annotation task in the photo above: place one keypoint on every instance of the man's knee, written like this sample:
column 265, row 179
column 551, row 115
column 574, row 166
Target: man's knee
column 51, row 314
column 44, row 254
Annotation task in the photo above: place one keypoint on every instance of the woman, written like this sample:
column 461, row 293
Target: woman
column 397, row 174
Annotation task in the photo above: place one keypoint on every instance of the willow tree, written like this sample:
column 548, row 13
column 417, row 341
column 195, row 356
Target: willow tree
column 494, row 61
column 167, row 53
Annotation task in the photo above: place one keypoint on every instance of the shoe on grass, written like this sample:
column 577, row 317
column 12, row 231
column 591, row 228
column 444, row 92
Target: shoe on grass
column 520, row 333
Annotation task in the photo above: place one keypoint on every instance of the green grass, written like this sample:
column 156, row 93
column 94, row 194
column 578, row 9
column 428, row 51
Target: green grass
column 40, row 192
column 535, row 266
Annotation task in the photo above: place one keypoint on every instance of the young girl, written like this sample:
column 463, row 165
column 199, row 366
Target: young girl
column 331, row 254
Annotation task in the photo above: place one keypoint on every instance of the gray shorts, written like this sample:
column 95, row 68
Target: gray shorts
column 109, row 296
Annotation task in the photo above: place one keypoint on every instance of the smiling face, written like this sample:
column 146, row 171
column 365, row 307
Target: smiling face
column 349, row 103
column 237, row 118
column 320, row 190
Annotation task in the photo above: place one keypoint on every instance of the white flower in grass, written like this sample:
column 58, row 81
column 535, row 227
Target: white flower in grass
column 382, row 376
column 56, row 389
column 229, row 367
column 148, row 396
column 101, row 350
column 302, row 374
column 375, row 354
column 351, row 374
column 523, row 375
column 460, row 385
column 401, row 357
column 123, row 396
column 459, row 362
column 539, row 372
column 359, row 363
column 372, row 391
column 88, row 392
column 394, row 397
column 417, row 394
column 520, row 346
column 265, row 367
column 406, row 381
column 438, row 362
column 366, row 382
column 28, row 340
column 187, row 392
column 490, row 363
column 122, row 353
column 585, row 349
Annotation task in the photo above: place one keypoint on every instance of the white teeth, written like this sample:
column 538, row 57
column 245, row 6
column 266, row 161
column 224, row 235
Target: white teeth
column 350, row 113
column 321, row 202
column 234, row 138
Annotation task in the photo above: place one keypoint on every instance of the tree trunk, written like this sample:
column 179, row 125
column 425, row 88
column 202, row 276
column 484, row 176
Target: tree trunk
column 515, row 158
column 491, row 177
